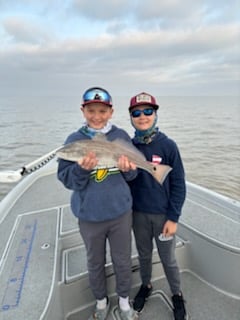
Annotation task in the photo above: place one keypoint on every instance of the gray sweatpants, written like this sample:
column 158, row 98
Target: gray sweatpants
column 149, row 226
column 118, row 233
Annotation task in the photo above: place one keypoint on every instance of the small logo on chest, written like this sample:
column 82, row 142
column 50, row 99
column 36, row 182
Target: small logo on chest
column 156, row 159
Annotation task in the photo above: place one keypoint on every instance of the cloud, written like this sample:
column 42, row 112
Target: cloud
column 20, row 30
column 49, row 49
column 158, row 57
column 166, row 10
column 102, row 10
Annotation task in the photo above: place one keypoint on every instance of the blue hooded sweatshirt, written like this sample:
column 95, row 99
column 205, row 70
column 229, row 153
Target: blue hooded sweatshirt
column 97, row 195
column 148, row 195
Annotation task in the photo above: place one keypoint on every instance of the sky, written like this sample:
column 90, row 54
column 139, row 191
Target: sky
column 164, row 47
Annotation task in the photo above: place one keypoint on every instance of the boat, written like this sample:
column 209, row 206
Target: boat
column 43, row 268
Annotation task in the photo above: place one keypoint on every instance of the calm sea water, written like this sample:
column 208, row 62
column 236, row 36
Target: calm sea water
column 206, row 130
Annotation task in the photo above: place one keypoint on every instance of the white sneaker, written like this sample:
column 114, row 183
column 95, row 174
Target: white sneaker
column 100, row 314
column 128, row 315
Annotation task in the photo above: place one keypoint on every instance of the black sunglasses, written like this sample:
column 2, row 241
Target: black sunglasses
column 147, row 112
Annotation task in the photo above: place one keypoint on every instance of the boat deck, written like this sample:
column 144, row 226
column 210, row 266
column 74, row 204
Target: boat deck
column 43, row 269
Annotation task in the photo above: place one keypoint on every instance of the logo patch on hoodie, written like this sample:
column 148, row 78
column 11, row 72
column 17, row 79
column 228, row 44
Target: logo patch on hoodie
column 156, row 159
column 101, row 174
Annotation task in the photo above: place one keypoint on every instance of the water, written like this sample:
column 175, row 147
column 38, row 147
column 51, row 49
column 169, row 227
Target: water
column 206, row 130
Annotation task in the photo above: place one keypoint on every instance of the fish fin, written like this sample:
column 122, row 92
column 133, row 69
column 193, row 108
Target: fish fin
column 128, row 146
column 160, row 171
column 102, row 137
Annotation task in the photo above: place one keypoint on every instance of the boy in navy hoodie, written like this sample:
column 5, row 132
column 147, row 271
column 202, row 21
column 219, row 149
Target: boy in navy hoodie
column 156, row 208
column 102, row 202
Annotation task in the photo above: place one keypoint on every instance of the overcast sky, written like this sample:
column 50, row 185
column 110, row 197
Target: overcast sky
column 165, row 47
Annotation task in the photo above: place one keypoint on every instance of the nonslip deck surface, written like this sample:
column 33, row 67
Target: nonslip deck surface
column 202, row 302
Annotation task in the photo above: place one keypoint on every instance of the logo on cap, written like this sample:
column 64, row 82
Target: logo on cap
column 143, row 98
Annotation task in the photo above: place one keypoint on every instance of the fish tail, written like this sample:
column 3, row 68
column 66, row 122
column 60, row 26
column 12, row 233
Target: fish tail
column 160, row 171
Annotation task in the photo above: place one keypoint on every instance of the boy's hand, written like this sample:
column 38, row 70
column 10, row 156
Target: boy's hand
column 89, row 161
column 169, row 228
column 125, row 165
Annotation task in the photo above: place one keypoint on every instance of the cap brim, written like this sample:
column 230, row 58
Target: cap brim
column 97, row 101
column 155, row 106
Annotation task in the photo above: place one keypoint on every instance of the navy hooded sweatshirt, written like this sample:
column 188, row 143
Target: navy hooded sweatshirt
column 148, row 195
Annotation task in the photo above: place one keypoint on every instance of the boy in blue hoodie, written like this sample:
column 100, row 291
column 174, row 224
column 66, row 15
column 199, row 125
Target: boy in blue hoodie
column 156, row 208
column 102, row 202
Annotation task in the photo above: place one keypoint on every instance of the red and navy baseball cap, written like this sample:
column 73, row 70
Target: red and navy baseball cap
column 96, row 94
column 143, row 98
